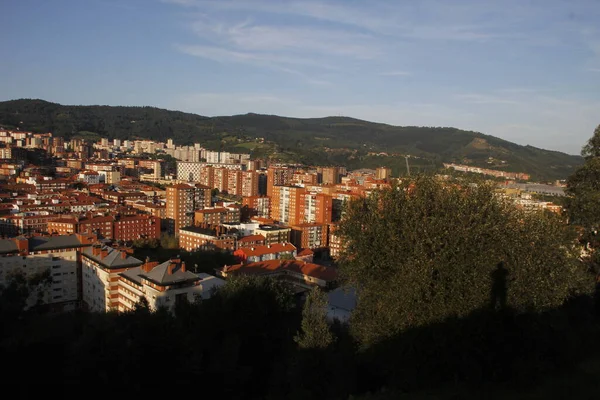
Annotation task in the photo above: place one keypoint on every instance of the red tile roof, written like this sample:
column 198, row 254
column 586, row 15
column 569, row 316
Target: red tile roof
column 300, row 267
column 305, row 252
column 251, row 238
column 262, row 250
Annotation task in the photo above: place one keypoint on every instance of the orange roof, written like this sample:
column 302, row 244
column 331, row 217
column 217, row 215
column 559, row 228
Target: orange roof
column 300, row 267
column 305, row 252
column 262, row 250
column 251, row 238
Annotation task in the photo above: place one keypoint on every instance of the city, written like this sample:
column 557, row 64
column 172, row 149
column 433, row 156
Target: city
column 324, row 199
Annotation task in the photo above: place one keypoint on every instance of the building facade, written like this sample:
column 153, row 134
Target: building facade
column 180, row 207
column 101, row 266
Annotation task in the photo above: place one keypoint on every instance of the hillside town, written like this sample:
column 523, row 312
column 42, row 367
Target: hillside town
column 77, row 211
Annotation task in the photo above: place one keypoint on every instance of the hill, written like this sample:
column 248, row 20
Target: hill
column 344, row 141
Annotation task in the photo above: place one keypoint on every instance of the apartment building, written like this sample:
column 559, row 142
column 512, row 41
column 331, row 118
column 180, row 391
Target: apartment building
column 384, row 173
column 136, row 227
column 180, row 207
column 287, row 204
column 316, row 207
column 278, row 176
column 331, row 175
column 101, row 226
column 101, row 266
column 334, row 242
column 255, row 206
column 202, row 196
column 309, row 235
column 54, row 256
column 163, row 285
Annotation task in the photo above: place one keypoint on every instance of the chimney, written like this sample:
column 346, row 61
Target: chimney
column 170, row 268
column 123, row 254
column 149, row 265
column 182, row 266
column 103, row 253
column 96, row 250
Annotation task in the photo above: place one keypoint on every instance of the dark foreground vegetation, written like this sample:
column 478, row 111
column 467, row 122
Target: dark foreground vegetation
column 240, row 344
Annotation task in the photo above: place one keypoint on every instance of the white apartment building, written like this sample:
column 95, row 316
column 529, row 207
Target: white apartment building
column 56, row 256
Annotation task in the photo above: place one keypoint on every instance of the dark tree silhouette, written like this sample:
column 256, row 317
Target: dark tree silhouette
column 499, row 287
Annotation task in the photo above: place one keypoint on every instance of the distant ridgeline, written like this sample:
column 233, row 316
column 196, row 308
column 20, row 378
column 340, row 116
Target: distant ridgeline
column 342, row 141
column 492, row 172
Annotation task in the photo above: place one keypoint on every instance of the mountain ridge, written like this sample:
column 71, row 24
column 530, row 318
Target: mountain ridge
column 328, row 140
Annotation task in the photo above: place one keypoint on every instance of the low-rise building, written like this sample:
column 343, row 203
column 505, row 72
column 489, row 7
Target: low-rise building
column 264, row 253
column 300, row 274
column 251, row 241
column 274, row 233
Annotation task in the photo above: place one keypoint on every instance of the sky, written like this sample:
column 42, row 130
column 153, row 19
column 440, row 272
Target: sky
column 522, row 70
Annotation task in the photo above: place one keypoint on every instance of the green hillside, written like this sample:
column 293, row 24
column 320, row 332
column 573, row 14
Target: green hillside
column 332, row 140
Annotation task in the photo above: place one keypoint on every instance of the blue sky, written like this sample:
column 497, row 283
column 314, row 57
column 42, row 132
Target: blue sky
column 526, row 71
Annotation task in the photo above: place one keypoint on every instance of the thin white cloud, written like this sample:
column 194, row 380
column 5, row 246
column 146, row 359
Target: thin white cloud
column 476, row 98
column 264, row 59
column 395, row 73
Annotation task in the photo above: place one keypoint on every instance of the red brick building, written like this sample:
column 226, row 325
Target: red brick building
column 63, row 226
column 140, row 226
column 103, row 226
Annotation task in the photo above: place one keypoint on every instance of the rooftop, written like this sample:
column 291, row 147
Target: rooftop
column 271, row 227
column 113, row 259
column 170, row 272
column 271, row 266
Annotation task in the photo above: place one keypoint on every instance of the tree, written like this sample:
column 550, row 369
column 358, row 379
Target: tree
column 315, row 332
column 423, row 251
column 169, row 241
column 592, row 148
column 583, row 187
